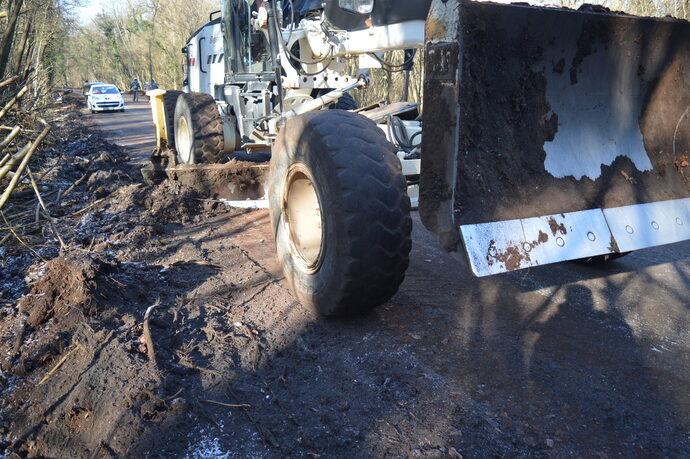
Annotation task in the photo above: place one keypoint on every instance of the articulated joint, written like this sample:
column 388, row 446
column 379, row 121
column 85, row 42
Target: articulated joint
column 316, row 104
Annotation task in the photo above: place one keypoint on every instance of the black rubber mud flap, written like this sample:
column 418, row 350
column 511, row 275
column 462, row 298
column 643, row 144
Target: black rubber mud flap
column 169, row 103
column 198, row 129
column 339, row 211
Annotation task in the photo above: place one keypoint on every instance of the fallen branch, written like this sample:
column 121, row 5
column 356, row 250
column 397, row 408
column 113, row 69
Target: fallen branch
column 147, row 332
column 16, row 227
column 81, row 211
column 9, row 128
column 16, row 236
column 264, row 433
column 229, row 405
column 10, row 137
column 46, row 172
column 51, row 220
column 20, row 170
column 21, row 214
column 13, row 160
column 14, row 78
column 77, row 183
column 174, row 395
column 13, row 101
column 57, row 365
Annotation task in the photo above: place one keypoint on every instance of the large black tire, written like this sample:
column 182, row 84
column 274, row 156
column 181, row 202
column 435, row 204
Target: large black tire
column 169, row 103
column 198, row 129
column 339, row 211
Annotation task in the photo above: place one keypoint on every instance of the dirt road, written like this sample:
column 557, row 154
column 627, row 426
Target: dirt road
column 131, row 129
column 555, row 361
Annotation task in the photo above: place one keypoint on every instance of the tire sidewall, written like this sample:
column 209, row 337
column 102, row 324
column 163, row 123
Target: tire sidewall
column 309, row 150
column 183, row 110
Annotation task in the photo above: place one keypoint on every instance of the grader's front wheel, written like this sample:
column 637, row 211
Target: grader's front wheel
column 340, row 212
column 198, row 129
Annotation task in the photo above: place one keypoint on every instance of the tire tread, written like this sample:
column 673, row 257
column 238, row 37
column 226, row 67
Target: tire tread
column 376, row 207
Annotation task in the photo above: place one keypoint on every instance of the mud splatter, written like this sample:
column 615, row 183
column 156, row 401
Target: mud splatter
column 613, row 245
column 556, row 227
column 512, row 257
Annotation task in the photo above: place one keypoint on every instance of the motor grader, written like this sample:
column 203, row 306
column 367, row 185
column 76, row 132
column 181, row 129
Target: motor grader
column 546, row 134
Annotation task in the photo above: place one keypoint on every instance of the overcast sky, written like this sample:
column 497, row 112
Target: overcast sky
column 90, row 9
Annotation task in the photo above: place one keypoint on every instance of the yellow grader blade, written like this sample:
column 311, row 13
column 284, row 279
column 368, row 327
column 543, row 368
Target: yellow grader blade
column 553, row 134
column 234, row 181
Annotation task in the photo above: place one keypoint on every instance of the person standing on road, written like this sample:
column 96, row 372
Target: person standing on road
column 135, row 87
column 152, row 85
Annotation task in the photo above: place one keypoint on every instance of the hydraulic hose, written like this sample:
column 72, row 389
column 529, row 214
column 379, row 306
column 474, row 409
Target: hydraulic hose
column 273, row 29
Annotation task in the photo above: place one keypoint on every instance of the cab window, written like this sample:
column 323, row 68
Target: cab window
column 249, row 45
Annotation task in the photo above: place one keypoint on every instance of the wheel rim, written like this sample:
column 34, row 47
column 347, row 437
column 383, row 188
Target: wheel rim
column 301, row 211
column 183, row 140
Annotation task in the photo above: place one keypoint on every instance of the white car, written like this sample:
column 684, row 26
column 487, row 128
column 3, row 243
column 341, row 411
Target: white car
column 105, row 97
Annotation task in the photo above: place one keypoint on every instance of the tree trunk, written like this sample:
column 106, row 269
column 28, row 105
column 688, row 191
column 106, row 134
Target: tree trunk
column 27, row 62
column 13, row 10
column 19, row 56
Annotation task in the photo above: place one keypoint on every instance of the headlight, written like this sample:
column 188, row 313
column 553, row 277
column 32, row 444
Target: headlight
column 357, row 6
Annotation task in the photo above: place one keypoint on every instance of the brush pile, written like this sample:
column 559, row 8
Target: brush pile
column 54, row 170
column 24, row 204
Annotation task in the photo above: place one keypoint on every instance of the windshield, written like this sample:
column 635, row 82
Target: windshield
column 105, row 90
column 246, row 48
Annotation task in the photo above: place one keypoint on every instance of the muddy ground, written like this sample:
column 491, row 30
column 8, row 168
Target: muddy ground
column 165, row 329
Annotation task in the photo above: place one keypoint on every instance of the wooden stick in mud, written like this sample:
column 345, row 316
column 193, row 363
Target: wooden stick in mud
column 81, row 211
column 229, row 405
column 21, row 214
column 50, row 218
column 16, row 226
column 13, row 101
column 150, row 351
column 264, row 433
column 21, row 241
column 57, row 365
column 47, row 171
column 77, row 183
column 20, row 170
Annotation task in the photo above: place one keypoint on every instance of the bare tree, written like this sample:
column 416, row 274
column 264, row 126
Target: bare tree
column 14, row 8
